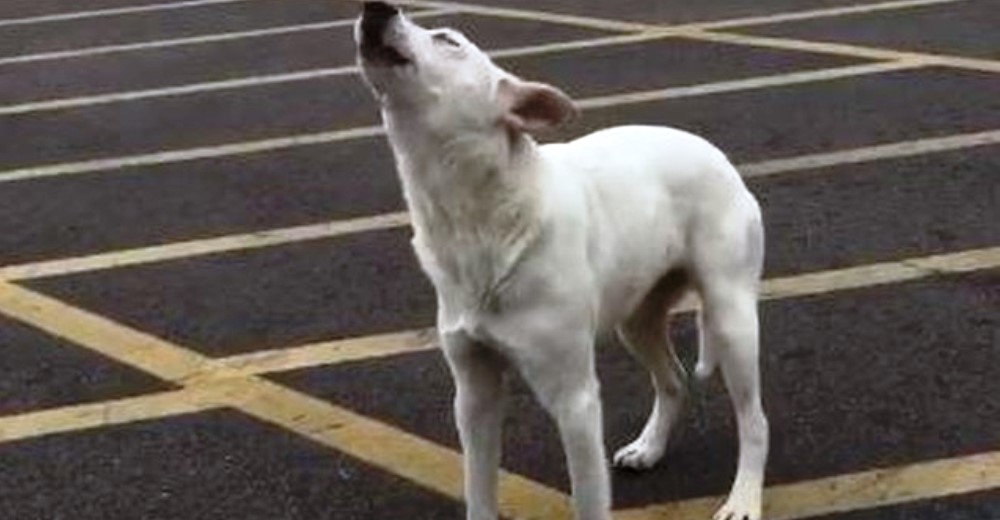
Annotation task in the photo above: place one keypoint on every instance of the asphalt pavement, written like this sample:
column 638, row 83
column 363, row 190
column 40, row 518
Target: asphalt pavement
column 209, row 308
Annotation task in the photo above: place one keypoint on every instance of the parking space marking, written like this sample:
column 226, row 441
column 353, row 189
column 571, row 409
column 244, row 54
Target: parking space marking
column 759, row 82
column 777, row 288
column 706, row 30
column 234, row 382
column 696, row 31
column 178, row 90
column 844, row 49
column 188, row 154
column 302, row 75
column 882, row 273
column 618, row 25
column 226, row 383
column 329, row 352
column 596, row 102
column 652, row 32
column 426, row 463
column 208, row 246
column 206, row 371
column 277, row 143
column 193, row 40
column 116, row 11
column 402, row 453
column 831, row 12
column 80, row 417
column 279, row 236
column 851, row 491
column 817, row 161
column 588, row 22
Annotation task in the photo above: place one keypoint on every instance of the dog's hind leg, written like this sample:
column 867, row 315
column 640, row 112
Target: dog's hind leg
column 645, row 335
column 479, row 375
column 730, row 335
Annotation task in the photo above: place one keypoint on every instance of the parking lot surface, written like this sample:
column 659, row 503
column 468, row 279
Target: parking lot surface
column 209, row 308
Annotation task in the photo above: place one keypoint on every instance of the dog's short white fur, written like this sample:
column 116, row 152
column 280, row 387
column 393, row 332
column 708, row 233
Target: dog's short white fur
column 534, row 251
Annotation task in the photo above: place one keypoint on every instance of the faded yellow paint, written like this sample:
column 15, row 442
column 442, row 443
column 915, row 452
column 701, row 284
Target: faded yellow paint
column 851, row 491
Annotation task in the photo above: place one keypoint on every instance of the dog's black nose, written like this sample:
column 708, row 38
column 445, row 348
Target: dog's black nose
column 380, row 9
column 375, row 17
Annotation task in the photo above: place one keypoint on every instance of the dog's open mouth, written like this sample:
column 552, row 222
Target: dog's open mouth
column 375, row 21
column 382, row 54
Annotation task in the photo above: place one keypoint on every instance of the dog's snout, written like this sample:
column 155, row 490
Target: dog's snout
column 373, row 26
column 375, row 17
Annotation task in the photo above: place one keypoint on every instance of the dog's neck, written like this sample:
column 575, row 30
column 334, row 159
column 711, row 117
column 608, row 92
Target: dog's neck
column 474, row 203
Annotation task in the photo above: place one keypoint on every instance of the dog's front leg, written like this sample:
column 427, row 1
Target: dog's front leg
column 479, row 395
column 562, row 375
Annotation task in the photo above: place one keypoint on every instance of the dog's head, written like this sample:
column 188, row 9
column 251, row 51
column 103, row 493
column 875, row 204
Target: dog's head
column 441, row 79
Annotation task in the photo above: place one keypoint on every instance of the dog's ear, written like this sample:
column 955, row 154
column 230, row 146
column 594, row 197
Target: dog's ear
column 529, row 106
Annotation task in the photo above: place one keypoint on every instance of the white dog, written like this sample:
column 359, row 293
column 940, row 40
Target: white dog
column 535, row 250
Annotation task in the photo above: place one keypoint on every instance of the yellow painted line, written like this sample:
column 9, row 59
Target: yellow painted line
column 760, row 82
column 174, row 91
column 625, row 26
column 191, row 40
column 588, row 22
column 316, row 26
column 869, row 275
column 807, row 284
column 844, row 49
column 208, row 246
column 280, row 236
column 328, row 353
column 705, row 30
column 831, row 12
column 575, row 45
column 308, row 74
column 401, row 453
column 293, row 76
column 110, row 413
column 102, row 13
column 228, row 383
column 99, row 334
column 430, row 465
column 279, row 143
column 881, row 273
column 816, row 162
column 188, row 154
column 961, row 262
column 692, row 31
column 852, row 491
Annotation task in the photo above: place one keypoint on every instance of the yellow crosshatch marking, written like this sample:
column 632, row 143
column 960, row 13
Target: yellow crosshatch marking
column 278, row 143
column 845, row 49
column 802, row 164
column 233, row 382
column 401, row 453
column 115, row 11
column 194, row 40
column 851, row 491
column 710, row 31
column 236, row 381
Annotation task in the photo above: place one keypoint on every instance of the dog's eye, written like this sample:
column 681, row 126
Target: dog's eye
column 445, row 38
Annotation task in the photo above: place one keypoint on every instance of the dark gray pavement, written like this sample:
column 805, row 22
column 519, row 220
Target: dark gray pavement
column 961, row 29
column 858, row 379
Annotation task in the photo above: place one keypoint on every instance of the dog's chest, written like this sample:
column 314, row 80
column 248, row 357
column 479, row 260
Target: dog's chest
column 469, row 268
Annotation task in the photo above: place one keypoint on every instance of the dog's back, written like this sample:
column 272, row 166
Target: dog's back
column 654, row 199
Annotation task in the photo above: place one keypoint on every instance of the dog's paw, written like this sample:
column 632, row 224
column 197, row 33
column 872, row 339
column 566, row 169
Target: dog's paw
column 739, row 508
column 638, row 455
